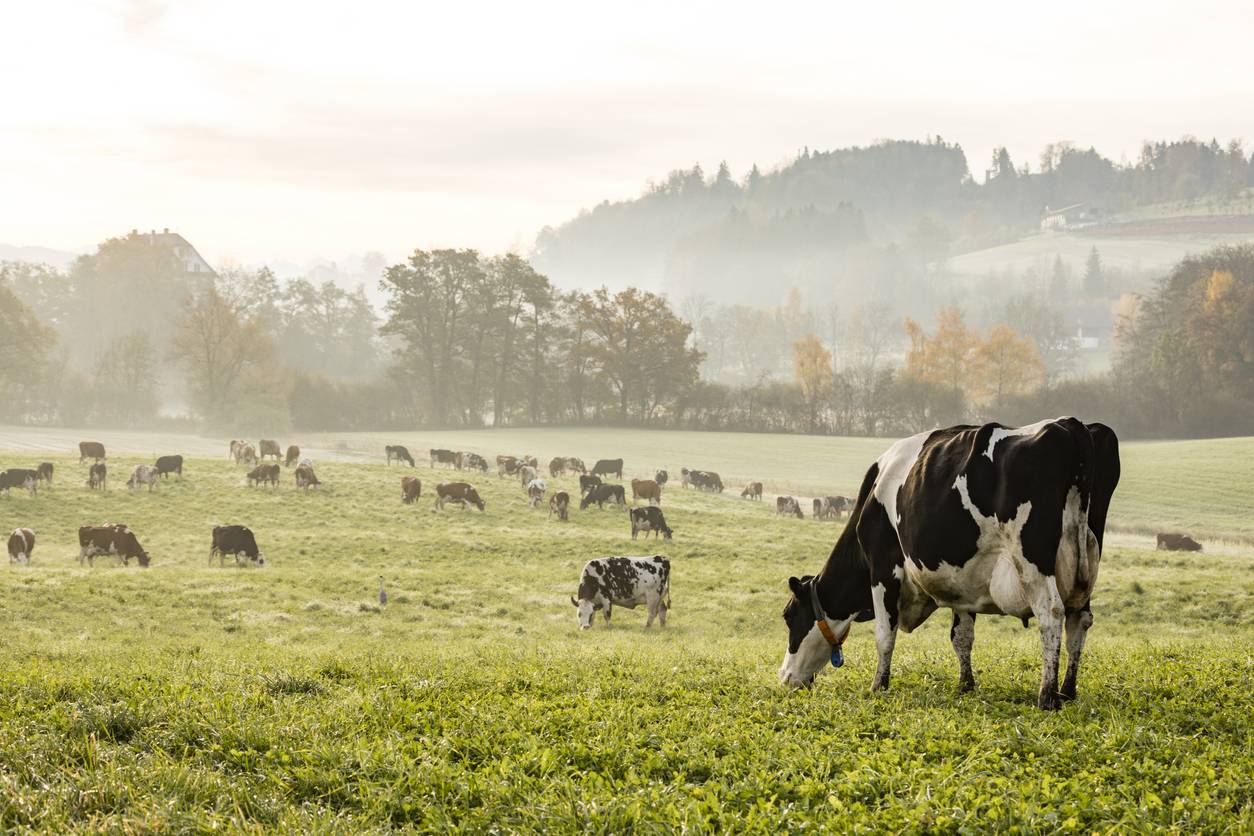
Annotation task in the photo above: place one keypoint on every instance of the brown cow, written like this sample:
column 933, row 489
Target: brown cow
column 270, row 447
column 21, row 544
column 90, row 450
column 44, row 472
column 236, row 445
column 113, row 538
column 753, row 490
column 98, row 476
column 292, row 457
column 264, row 473
column 1177, row 543
column 305, row 478
column 646, row 489
column 411, row 489
column 559, row 503
column 461, row 492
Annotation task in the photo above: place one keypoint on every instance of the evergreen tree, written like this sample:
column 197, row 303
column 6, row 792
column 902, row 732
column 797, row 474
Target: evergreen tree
column 1094, row 281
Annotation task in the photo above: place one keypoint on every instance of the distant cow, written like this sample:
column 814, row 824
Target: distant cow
column 787, row 506
column 43, row 473
column 237, row 444
column 21, row 544
column 557, row 466
column 18, row 477
column 527, row 474
column 445, row 457
column 411, row 489
column 567, row 464
column 237, row 541
column 535, row 492
column 648, row 519
column 246, row 454
column 587, row 482
column 305, row 478
column 559, row 503
column 93, row 450
column 627, row 582
column 264, row 473
column 292, row 457
column 507, row 466
column 753, row 490
column 646, row 489
column 112, row 539
column 531, row 461
column 602, row 494
column 170, row 464
column 661, row 477
column 398, row 453
column 1177, row 543
column 706, row 480
column 142, row 474
column 474, row 461
column 97, row 476
column 461, row 492
column 269, row 447
column 609, row 467
column 830, row 507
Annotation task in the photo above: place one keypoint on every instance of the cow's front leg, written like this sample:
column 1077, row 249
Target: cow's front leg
column 884, row 596
column 648, row 622
column 1078, row 623
column 962, row 636
column 609, row 608
column 1049, row 611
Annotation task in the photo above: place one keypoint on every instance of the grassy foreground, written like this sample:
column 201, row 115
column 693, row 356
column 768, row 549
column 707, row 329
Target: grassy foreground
column 187, row 697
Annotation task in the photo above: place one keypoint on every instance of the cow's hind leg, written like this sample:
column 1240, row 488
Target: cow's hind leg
column 1078, row 623
column 962, row 636
column 1049, row 612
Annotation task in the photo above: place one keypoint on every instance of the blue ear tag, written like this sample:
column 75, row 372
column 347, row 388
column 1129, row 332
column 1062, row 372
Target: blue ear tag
column 838, row 658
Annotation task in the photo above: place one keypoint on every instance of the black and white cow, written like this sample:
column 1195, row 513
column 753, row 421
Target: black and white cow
column 21, row 545
column 238, row 542
column 143, row 474
column 602, row 494
column 627, row 582
column 649, row 518
column 987, row 519
column 587, row 482
column 18, row 477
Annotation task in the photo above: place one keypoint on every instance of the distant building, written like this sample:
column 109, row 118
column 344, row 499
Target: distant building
column 191, row 260
column 1075, row 216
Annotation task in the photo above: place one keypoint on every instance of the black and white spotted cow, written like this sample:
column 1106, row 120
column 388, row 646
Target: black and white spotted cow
column 625, row 582
column 236, row 541
column 988, row 519
column 649, row 519
column 143, row 474
column 18, row 477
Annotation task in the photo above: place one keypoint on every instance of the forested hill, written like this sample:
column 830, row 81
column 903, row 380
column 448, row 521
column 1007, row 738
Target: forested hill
column 840, row 222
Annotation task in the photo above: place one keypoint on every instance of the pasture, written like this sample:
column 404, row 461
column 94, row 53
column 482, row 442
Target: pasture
column 188, row 696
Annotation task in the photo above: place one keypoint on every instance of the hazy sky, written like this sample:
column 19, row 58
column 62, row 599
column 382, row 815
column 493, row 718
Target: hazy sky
column 277, row 130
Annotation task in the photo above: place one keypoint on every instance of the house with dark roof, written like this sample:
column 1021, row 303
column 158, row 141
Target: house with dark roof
column 192, row 261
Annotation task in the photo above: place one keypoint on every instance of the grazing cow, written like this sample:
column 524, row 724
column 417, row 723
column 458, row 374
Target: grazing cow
column 706, row 480
column 1177, row 543
column 648, row 519
column 115, row 539
column 21, row 545
column 18, row 477
column 753, row 490
column 445, row 457
column 557, row 467
column 398, row 453
column 142, row 474
column 461, row 492
column 292, row 457
column 661, row 477
column 984, row 519
column 559, row 503
column 264, row 473
column 93, row 450
column 587, row 482
column 270, row 447
column 535, row 492
column 646, row 489
column 527, row 474
column 474, row 461
column 608, row 467
column 787, row 506
column 626, row 582
column 411, row 489
column 507, row 466
column 247, row 454
column 305, row 478
column 237, row 541
column 44, row 472
column 97, row 476
column 568, row 464
column 169, row 464
column 830, row 507
column 602, row 494
column 237, row 444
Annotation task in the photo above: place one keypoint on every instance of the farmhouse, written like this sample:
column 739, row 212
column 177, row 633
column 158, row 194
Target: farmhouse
column 191, row 260
column 1075, row 216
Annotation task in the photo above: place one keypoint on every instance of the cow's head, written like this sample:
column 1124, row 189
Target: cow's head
column 143, row 559
column 808, row 650
column 666, row 532
column 587, row 608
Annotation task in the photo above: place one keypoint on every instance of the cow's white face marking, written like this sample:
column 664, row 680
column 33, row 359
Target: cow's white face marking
column 586, row 612
column 799, row 669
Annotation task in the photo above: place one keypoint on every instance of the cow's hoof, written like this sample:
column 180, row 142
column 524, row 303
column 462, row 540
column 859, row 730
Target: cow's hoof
column 1067, row 694
column 1048, row 701
column 966, row 685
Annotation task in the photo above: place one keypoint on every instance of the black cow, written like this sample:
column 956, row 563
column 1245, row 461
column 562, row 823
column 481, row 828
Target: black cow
column 237, row 541
column 985, row 519
column 587, row 482
column 608, row 467
column 170, row 464
column 18, row 477
column 93, row 450
column 44, row 472
column 98, row 476
column 398, row 453
column 649, row 518
column 602, row 494
column 444, row 457
column 1176, row 543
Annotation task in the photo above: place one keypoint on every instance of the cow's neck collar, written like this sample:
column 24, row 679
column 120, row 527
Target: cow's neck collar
column 820, row 618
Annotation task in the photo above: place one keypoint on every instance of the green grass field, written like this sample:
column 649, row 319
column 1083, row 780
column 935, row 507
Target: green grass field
column 190, row 697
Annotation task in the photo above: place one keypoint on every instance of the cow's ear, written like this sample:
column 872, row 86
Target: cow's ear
column 795, row 585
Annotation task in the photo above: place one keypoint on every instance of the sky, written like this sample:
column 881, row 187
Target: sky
column 285, row 131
